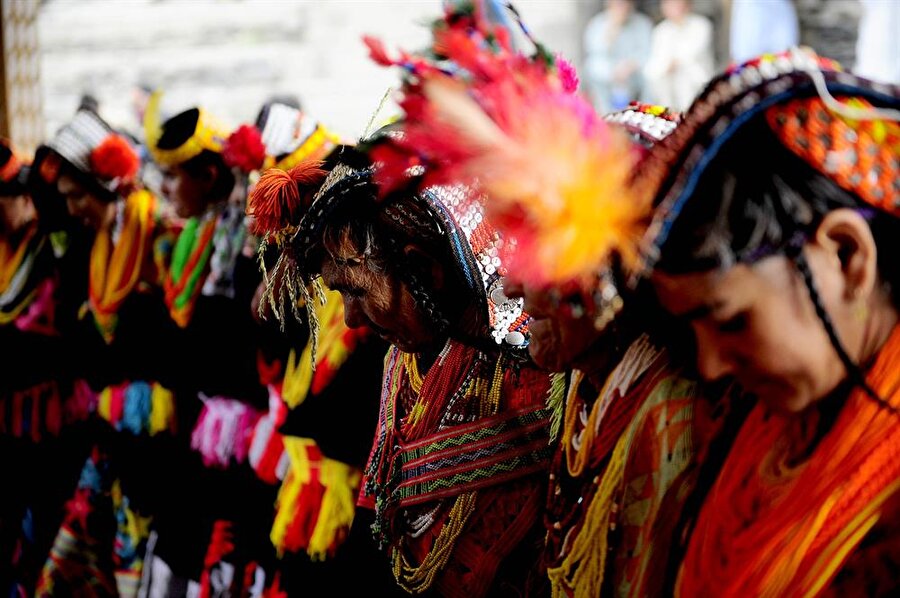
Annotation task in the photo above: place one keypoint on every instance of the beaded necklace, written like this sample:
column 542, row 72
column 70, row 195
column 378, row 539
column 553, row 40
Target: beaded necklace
column 579, row 534
column 434, row 407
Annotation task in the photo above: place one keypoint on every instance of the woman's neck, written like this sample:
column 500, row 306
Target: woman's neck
column 882, row 320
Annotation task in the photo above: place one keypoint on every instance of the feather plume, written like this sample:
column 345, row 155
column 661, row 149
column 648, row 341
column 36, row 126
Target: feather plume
column 553, row 174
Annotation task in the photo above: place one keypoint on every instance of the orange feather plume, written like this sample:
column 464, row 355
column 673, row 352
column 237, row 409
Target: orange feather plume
column 553, row 175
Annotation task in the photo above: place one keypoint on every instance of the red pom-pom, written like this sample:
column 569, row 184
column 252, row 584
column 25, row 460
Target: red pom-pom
column 281, row 198
column 114, row 159
column 244, row 149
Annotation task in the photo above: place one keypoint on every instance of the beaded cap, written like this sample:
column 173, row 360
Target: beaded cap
column 806, row 99
column 437, row 211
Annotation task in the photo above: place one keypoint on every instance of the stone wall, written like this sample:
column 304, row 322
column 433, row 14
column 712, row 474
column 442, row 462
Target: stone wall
column 231, row 55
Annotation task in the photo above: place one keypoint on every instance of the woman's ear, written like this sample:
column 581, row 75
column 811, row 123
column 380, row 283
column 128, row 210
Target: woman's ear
column 426, row 267
column 847, row 239
column 208, row 176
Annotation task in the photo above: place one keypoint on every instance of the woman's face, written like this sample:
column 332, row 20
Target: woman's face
column 558, row 338
column 378, row 300
column 758, row 325
column 83, row 205
column 15, row 212
column 186, row 192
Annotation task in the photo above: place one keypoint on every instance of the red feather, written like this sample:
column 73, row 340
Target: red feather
column 244, row 149
column 114, row 159
column 280, row 198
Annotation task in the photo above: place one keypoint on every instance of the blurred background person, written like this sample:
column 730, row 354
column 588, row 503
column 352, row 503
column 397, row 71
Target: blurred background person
column 762, row 27
column 878, row 43
column 616, row 46
column 681, row 55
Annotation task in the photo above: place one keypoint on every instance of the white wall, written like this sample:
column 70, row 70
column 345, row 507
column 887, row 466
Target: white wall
column 230, row 55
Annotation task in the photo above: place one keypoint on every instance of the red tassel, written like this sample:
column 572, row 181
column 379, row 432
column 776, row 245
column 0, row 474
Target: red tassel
column 244, row 149
column 114, row 158
column 280, row 197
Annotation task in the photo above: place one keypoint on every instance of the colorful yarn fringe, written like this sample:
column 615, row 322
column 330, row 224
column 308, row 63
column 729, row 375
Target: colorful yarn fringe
column 335, row 344
column 34, row 412
column 138, row 407
column 266, row 453
column 84, row 561
column 316, row 502
column 223, row 431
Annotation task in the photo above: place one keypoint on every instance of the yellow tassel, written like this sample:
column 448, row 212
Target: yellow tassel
column 162, row 410
column 104, row 405
column 298, row 375
column 338, row 506
column 298, row 476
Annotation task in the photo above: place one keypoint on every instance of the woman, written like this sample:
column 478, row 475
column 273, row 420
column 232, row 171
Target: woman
column 421, row 274
column 309, row 443
column 774, row 239
column 114, row 346
column 219, row 518
column 34, row 403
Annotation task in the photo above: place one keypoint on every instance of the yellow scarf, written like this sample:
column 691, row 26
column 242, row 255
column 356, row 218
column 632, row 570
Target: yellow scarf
column 115, row 269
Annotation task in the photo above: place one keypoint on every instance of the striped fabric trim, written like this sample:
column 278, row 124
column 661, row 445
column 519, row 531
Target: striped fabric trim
column 472, row 456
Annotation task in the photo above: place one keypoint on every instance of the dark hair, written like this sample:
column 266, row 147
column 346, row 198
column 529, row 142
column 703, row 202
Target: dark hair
column 199, row 165
column 89, row 182
column 756, row 199
column 176, row 131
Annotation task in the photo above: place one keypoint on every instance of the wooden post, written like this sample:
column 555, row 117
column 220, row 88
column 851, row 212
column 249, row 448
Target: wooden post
column 21, row 107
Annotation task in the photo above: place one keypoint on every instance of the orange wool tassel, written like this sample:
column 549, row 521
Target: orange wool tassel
column 280, row 198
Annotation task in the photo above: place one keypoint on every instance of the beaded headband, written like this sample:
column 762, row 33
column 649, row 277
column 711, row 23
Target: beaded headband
column 860, row 156
column 291, row 137
column 768, row 87
column 208, row 134
column 90, row 145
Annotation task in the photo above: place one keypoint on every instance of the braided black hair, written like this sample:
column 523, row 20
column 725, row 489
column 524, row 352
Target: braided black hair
column 854, row 373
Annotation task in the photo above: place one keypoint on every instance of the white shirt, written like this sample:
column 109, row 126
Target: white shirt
column 762, row 27
column 878, row 44
column 681, row 61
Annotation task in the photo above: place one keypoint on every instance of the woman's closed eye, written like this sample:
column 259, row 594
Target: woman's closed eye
column 734, row 324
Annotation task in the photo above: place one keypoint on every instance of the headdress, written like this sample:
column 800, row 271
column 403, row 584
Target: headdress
column 194, row 131
column 96, row 151
column 13, row 172
column 841, row 125
column 553, row 173
column 286, row 137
